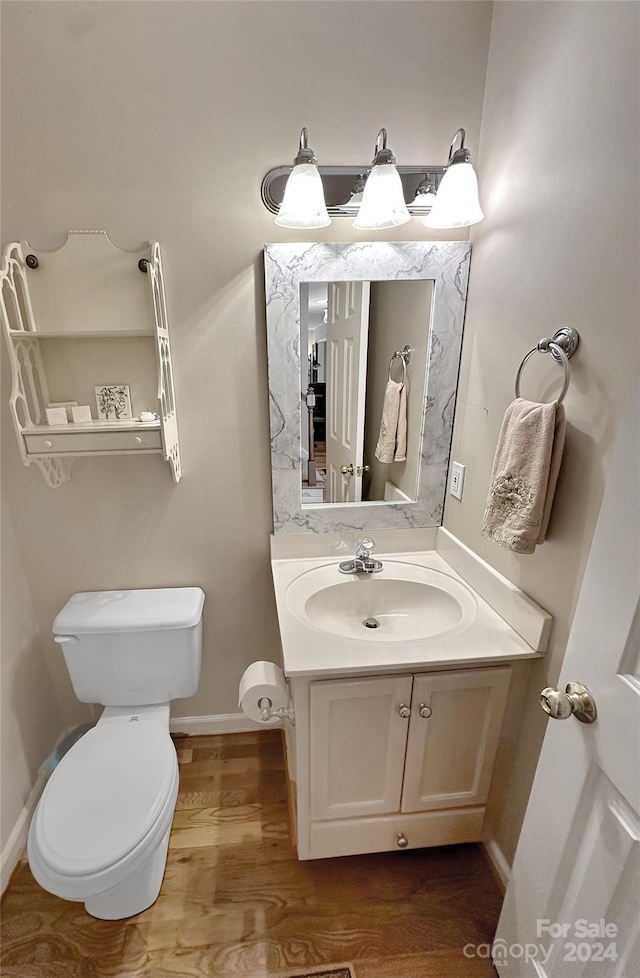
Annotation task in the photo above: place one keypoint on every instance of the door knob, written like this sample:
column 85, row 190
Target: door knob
column 347, row 469
column 404, row 711
column 576, row 701
column 403, row 842
column 362, row 468
column 425, row 711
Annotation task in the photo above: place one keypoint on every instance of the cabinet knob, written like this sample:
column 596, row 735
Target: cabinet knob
column 404, row 711
column 403, row 842
column 137, row 440
column 48, row 444
column 425, row 711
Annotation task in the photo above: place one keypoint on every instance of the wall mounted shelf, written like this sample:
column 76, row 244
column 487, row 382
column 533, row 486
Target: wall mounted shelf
column 86, row 315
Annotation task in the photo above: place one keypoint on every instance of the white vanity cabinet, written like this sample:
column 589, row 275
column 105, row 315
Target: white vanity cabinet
column 398, row 761
column 391, row 733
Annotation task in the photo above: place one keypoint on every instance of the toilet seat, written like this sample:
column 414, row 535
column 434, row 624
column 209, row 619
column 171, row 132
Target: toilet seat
column 106, row 805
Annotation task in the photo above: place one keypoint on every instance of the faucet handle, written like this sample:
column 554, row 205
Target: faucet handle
column 365, row 548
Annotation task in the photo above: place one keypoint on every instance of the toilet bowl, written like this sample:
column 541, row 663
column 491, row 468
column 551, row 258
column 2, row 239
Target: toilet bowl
column 101, row 830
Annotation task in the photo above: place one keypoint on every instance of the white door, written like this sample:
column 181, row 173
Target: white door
column 347, row 339
column 572, row 904
column 450, row 752
column 357, row 745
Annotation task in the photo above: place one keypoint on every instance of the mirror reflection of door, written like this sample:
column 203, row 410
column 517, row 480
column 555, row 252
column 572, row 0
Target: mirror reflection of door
column 347, row 333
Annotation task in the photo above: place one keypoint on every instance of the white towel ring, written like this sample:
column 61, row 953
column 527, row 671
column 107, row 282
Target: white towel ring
column 561, row 346
column 405, row 356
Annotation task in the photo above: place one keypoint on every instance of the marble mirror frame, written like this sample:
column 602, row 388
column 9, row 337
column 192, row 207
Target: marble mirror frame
column 446, row 263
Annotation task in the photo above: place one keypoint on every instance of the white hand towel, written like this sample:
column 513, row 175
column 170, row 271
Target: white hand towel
column 525, row 473
column 392, row 440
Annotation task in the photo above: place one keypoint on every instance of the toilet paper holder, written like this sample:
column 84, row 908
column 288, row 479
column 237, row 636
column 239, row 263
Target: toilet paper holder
column 265, row 705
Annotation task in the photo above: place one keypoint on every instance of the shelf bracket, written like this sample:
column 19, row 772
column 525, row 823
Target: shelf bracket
column 55, row 470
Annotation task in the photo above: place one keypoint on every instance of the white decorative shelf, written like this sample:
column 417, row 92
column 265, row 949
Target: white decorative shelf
column 129, row 425
column 46, row 334
column 87, row 290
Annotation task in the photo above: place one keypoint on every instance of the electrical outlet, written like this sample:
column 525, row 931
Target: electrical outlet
column 457, row 479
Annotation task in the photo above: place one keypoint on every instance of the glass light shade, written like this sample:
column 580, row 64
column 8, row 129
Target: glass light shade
column 353, row 205
column 457, row 204
column 422, row 202
column 303, row 203
column 383, row 203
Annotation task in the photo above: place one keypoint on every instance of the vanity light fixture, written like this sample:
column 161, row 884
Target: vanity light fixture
column 457, row 204
column 383, row 204
column 447, row 195
column 303, row 205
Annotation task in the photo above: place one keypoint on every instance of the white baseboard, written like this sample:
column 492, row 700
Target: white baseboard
column 223, row 723
column 17, row 842
column 498, row 861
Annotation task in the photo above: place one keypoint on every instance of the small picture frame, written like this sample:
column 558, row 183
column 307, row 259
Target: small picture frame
column 57, row 415
column 67, row 405
column 81, row 414
column 113, row 402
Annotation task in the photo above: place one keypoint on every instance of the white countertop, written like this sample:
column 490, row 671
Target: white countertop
column 309, row 651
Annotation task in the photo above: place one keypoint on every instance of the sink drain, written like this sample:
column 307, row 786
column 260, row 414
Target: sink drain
column 371, row 623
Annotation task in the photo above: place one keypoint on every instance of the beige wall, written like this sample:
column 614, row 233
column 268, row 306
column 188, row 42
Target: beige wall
column 559, row 172
column 31, row 720
column 160, row 120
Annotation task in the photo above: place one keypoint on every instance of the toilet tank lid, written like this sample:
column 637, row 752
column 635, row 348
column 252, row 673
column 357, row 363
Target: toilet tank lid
column 145, row 609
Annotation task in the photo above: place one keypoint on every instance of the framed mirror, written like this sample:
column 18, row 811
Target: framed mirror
column 364, row 347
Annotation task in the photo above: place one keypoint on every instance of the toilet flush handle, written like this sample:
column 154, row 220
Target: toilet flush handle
column 65, row 639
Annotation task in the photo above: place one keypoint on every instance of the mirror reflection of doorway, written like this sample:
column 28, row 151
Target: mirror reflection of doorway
column 318, row 389
column 313, row 338
column 338, row 321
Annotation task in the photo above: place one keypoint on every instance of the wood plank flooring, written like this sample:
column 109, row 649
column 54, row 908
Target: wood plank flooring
column 236, row 903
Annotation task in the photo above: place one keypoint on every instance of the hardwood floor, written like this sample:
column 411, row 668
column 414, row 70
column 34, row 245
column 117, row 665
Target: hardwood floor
column 236, row 902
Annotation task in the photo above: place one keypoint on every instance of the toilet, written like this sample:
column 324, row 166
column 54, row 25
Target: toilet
column 100, row 832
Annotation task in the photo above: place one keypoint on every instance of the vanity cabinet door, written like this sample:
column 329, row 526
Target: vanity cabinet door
column 450, row 754
column 357, row 741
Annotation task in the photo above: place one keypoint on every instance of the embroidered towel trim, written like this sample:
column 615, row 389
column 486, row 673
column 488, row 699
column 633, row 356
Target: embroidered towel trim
column 392, row 440
column 524, row 476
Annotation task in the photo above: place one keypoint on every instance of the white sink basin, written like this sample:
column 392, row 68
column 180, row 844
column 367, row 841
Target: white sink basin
column 404, row 602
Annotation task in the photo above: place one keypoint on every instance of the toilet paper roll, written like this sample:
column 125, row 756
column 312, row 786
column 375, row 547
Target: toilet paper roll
column 262, row 680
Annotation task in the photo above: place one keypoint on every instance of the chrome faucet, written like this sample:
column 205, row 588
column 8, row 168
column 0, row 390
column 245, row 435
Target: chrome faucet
column 364, row 561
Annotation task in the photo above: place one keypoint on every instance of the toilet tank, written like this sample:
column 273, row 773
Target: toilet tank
column 132, row 648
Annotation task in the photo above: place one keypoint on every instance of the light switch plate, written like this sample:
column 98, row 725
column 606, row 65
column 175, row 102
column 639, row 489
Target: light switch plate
column 457, row 479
